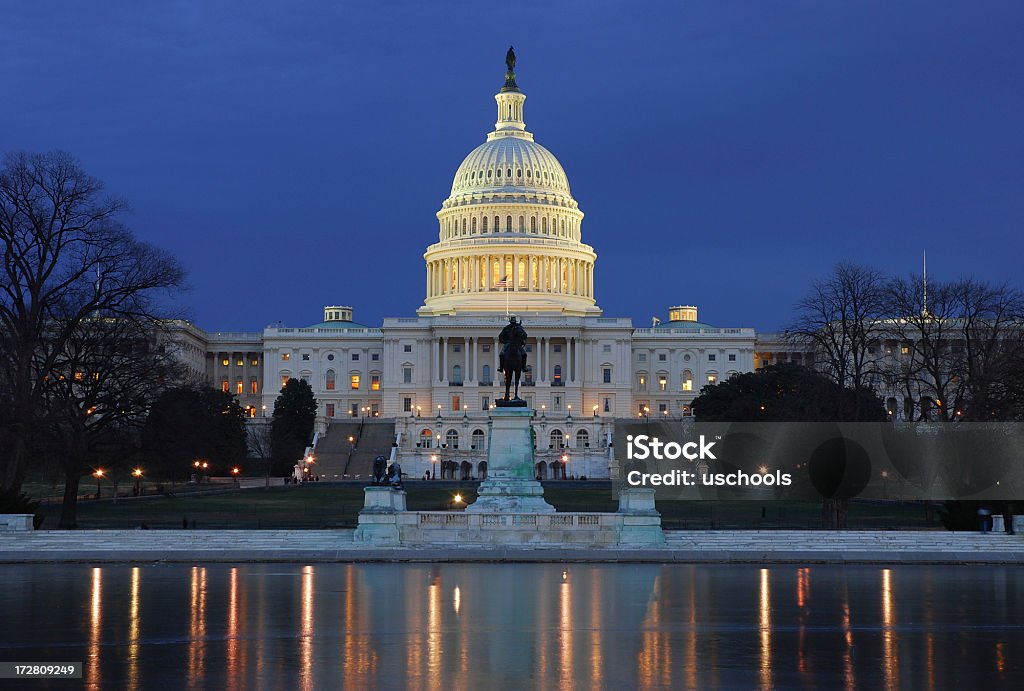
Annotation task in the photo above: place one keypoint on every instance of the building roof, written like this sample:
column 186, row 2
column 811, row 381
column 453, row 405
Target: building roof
column 338, row 324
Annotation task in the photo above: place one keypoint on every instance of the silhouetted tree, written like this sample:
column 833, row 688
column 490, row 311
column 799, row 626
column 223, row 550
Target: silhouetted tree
column 292, row 424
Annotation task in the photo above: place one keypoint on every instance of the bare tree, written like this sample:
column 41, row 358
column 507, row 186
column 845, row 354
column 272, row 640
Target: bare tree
column 842, row 318
column 66, row 258
column 261, row 446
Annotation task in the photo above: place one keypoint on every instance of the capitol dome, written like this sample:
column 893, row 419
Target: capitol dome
column 510, row 225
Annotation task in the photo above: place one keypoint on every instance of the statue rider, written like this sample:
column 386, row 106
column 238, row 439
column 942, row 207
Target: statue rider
column 513, row 338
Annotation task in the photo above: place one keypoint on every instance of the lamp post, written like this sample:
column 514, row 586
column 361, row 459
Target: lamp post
column 137, row 475
column 433, row 461
column 595, row 410
column 99, row 476
column 565, row 462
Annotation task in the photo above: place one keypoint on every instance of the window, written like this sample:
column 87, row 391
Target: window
column 483, row 226
column 487, row 348
column 225, row 362
column 642, row 357
column 533, row 224
column 375, row 357
column 330, row 357
column 606, row 348
column 284, row 380
column 330, row 380
column 353, row 411
column 486, row 375
column 374, row 382
column 711, row 357
column 330, row 410
column 557, row 440
column 687, row 380
column 485, row 403
column 254, row 386
column 255, row 362
column 224, row 386
column 452, row 439
column 407, row 404
column 239, row 387
column 478, row 439
column 407, row 375
column 239, row 362
column 607, row 375
column 663, row 382
column 456, row 374
column 557, row 379
column 286, row 356
column 642, row 381
column 582, row 439
column 662, row 357
column 426, row 438
column 305, row 357
column 557, row 348
column 508, row 224
column 712, row 379
column 732, row 357
column 607, row 405
column 905, row 350
column 456, row 348
column 355, row 381
column 456, row 403
column 407, row 348
column 355, row 357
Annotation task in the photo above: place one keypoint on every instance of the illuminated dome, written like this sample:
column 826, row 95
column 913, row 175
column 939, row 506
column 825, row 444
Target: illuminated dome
column 510, row 223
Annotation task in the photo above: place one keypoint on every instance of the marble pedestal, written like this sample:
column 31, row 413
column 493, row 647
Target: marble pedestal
column 511, row 486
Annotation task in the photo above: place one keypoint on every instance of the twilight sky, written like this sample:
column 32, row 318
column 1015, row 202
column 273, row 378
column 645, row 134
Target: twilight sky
column 725, row 152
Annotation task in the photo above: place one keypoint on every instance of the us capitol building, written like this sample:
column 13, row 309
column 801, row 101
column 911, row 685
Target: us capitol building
column 509, row 241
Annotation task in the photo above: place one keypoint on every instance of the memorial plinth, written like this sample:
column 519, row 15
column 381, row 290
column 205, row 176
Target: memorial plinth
column 510, row 486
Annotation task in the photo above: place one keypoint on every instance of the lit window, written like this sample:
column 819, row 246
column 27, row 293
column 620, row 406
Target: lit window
column 78, row 376
column 643, row 381
column 374, row 382
column 712, row 379
column 330, row 380
column 663, row 383
column 286, row 356
column 355, row 381
column 687, row 385
column 225, row 362
column 905, row 350
column 255, row 362
column 254, row 386
column 239, row 386
column 284, row 380
column 224, row 386
column 239, row 362
column 330, row 410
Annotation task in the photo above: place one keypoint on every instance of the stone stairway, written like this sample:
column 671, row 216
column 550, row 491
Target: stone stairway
column 375, row 440
column 332, row 450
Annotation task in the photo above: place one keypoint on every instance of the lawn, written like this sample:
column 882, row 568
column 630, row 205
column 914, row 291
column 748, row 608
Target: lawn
column 324, row 505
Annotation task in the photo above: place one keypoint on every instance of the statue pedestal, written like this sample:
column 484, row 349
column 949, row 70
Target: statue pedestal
column 510, row 486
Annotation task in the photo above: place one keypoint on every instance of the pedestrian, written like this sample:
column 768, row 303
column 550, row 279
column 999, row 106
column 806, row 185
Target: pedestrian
column 984, row 516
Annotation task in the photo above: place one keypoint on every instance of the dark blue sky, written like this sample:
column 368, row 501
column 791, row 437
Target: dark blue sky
column 725, row 153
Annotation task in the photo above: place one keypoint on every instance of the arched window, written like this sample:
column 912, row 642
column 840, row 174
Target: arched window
column 478, row 439
column 508, row 224
column 452, row 439
column 463, row 226
column 486, row 375
column 528, row 375
column 330, row 380
column 533, row 224
column 484, row 225
column 426, row 438
column 497, row 223
column 582, row 439
column 557, row 439
column 473, row 230
column 522, row 224
column 544, row 225
column 456, row 374
column 557, row 378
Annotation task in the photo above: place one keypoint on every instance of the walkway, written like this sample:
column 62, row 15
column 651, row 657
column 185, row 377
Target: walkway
column 714, row 546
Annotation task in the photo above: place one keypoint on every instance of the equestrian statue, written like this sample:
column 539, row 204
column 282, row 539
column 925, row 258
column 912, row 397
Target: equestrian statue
column 512, row 358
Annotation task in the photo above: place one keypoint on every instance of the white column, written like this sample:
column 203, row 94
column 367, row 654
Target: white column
column 444, row 359
column 547, row 359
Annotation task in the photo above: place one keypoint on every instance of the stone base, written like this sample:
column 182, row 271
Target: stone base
column 378, row 524
column 16, row 521
column 510, row 495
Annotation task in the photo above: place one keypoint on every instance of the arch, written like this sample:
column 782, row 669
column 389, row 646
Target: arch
column 557, row 374
column 456, row 374
column 582, row 439
column 466, row 469
column 486, row 375
column 452, row 439
column 426, row 438
column 542, row 471
column 481, row 470
column 483, row 227
column 330, row 380
column 508, row 224
column 497, row 223
column 522, row 224
column 557, row 439
column 473, row 229
column 478, row 439
column 544, row 225
column 533, row 224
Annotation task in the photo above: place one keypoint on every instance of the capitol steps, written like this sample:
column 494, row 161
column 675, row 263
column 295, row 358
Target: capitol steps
column 332, row 450
column 376, row 439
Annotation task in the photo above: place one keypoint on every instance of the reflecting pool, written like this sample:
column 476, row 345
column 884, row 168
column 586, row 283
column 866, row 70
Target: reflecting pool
column 473, row 626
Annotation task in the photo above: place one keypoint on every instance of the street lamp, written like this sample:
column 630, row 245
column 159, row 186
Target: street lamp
column 137, row 474
column 595, row 410
column 565, row 462
column 433, row 460
column 417, row 411
column 264, row 410
column 99, row 476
